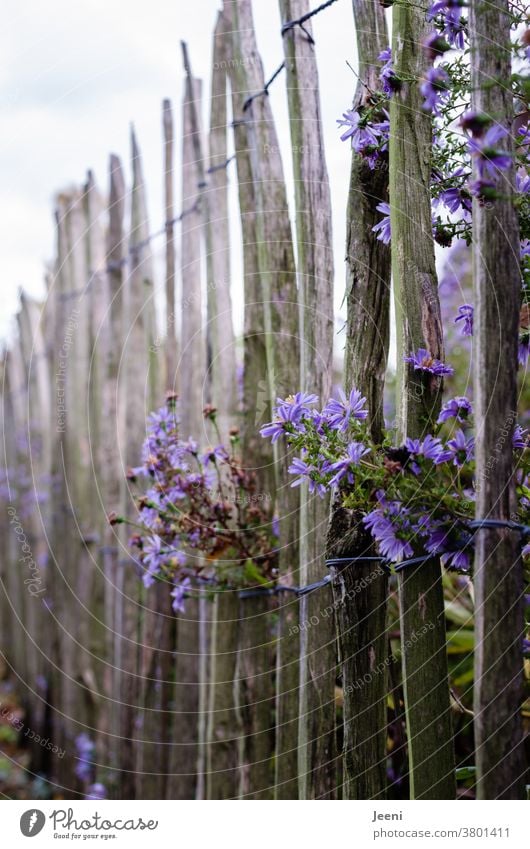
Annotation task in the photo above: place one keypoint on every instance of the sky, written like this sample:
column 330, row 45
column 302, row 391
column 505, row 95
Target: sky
column 75, row 75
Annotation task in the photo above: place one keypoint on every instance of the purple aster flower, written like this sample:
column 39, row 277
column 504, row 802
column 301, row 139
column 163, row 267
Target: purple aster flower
column 475, row 122
column 390, row 536
column 216, row 454
column 523, row 350
column 429, row 449
column 288, row 415
column 522, row 182
column 390, row 82
column 451, row 547
column 85, row 751
column 97, row 792
column 519, row 438
column 382, row 228
column 458, row 408
column 153, row 558
column 190, row 447
column 307, row 473
column 460, row 448
column 526, row 646
column 302, row 469
column 303, row 399
column 359, row 132
column 465, row 315
column 422, row 360
column 455, row 198
column 483, row 190
column 161, row 421
column 435, row 45
column 489, row 157
column 343, row 467
column 178, row 594
column 340, row 412
column 435, row 88
column 275, row 526
column 525, row 248
column 454, row 29
column 382, row 130
column 440, row 6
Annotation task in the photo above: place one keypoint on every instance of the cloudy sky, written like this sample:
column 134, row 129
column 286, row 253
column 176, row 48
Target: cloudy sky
column 75, row 75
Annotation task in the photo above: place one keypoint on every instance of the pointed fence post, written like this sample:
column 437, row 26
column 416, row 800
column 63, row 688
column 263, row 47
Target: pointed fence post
column 169, row 206
column 360, row 588
column 277, row 276
column 113, row 478
column 151, row 612
column 255, row 662
column 498, row 574
column 223, row 728
column 317, row 755
column 187, row 757
column 425, row 672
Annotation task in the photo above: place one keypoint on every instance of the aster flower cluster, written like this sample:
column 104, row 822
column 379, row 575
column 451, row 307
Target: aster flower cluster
column 200, row 517
column 414, row 499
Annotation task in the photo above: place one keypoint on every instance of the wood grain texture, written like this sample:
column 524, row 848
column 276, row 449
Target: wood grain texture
column 499, row 620
column 360, row 591
column 278, row 298
column 317, row 755
column 114, row 483
column 221, row 339
column 169, row 208
column 425, row 673
column 255, row 662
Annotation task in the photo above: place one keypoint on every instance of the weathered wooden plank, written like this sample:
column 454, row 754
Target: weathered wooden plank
column 35, row 514
column 188, row 757
column 360, row 590
column 498, row 581
column 221, row 339
column 430, row 741
column 254, row 678
column 169, row 206
column 114, row 482
column 223, row 729
column 192, row 360
column 148, row 612
column 278, row 296
column 317, row 755
column 99, row 430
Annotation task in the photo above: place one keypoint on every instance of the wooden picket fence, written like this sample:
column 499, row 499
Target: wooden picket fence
column 252, row 697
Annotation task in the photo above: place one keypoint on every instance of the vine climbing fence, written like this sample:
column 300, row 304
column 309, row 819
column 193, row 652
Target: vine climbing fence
column 327, row 677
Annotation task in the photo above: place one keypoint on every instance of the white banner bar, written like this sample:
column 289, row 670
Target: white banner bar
column 264, row 825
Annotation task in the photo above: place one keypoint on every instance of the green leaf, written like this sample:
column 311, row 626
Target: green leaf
column 464, row 772
column 460, row 642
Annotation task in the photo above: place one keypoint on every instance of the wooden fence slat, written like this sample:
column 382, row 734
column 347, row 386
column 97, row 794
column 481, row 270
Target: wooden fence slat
column 317, row 745
column 360, row 591
column 498, row 574
column 169, row 206
column 254, row 678
column 278, row 295
column 113, row 480
column 425, row 673
column 188, row 758
column 223, row 728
